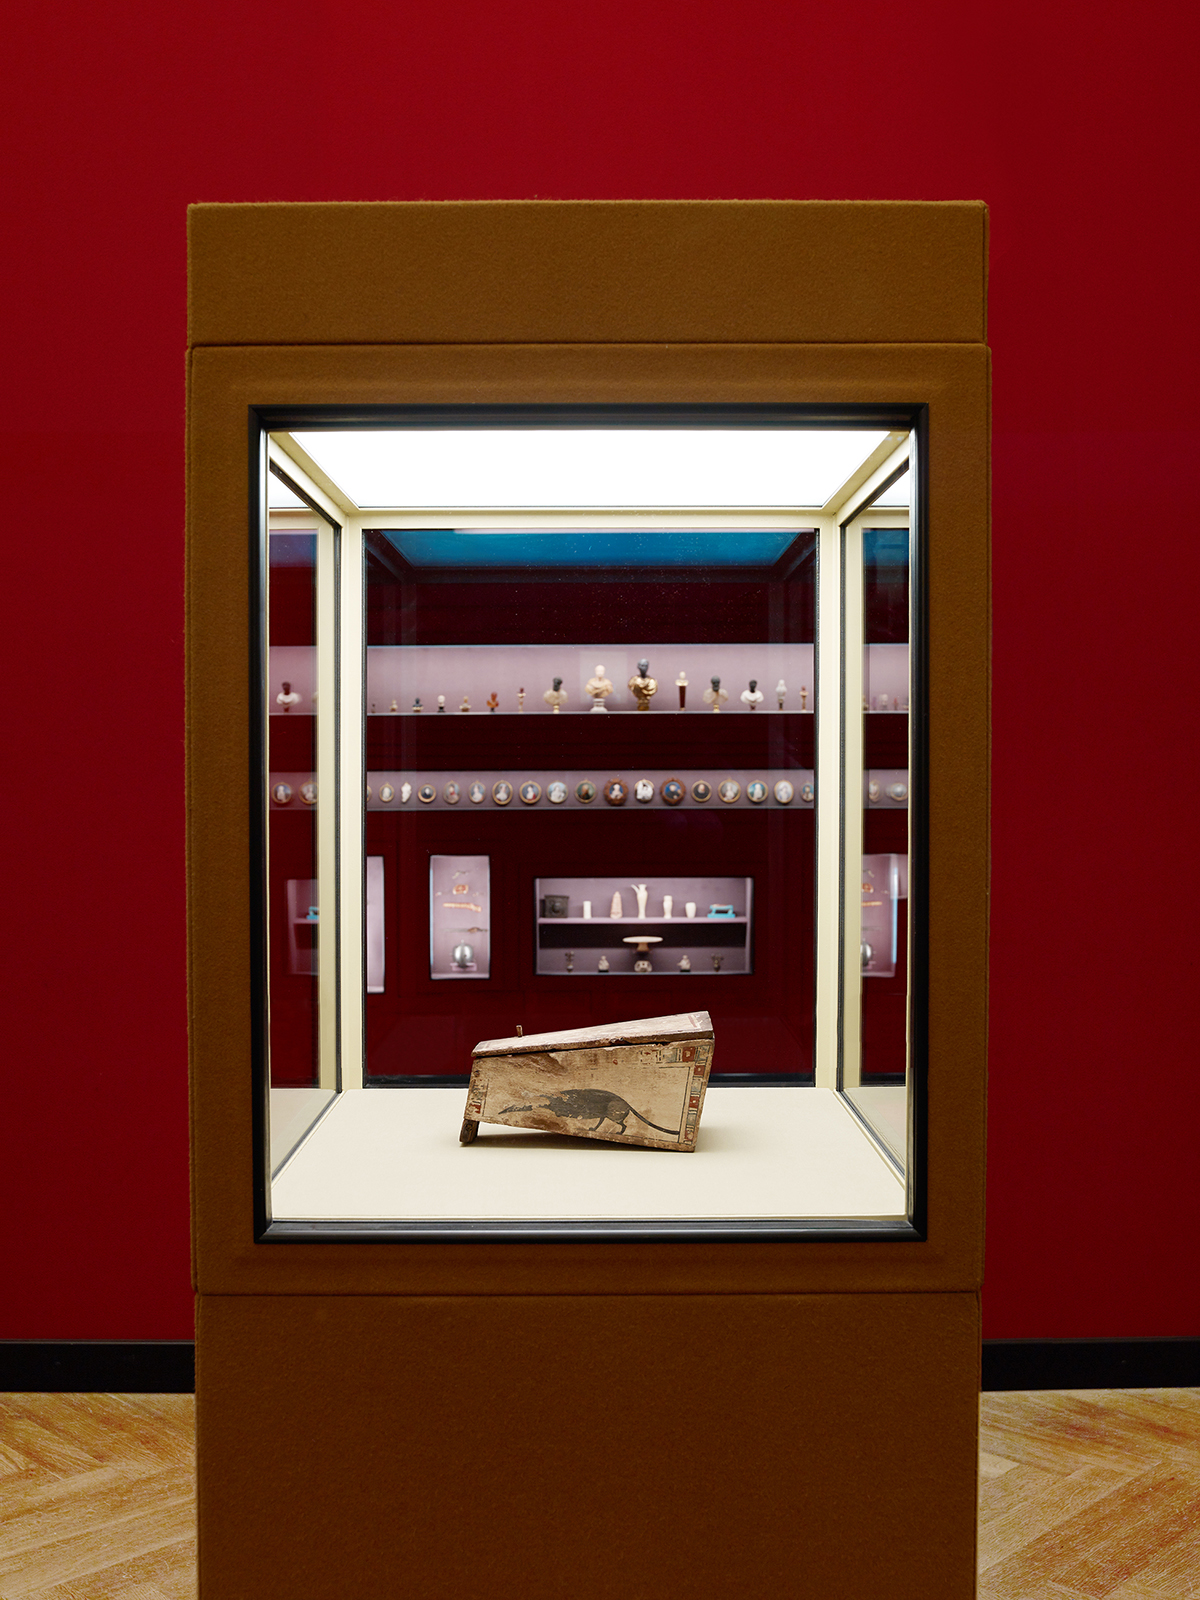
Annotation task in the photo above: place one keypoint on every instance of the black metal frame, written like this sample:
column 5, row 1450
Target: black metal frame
column 263, row 420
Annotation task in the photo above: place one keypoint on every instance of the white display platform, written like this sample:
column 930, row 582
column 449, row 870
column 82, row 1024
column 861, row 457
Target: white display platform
column 763, row 1152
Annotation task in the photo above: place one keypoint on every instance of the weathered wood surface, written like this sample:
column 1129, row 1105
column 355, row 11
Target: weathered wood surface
column 629, row 1083
column 681, row 1025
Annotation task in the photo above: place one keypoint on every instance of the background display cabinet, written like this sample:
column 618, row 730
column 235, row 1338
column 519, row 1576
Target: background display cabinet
column 571, row 664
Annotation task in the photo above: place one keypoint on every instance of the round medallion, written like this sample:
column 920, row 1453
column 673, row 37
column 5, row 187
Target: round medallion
column 643, row 790
column 368, row 794
column 308, row 793
column 502, row 792
column 476, row 793
column 897, row 791
column 452, row 794
column 426, row 794
column 729, row 789
column 673, row 791
column 281, row 793
column 701, row 791
column 585, row 791
column 616, row 791
column 756, row 792
column 784, row 792
column 873, row 790
column 556, row 792
column 386, row 794
column 531, row 792
column 807, row 793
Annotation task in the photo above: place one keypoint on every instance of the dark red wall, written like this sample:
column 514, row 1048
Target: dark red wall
column 1075, row 125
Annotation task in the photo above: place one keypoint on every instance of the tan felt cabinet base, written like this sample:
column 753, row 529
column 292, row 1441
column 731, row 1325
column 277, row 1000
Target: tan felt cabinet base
column 374, row 1447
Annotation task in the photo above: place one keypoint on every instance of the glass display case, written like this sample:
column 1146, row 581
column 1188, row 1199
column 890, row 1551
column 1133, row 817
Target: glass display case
column 563, row 709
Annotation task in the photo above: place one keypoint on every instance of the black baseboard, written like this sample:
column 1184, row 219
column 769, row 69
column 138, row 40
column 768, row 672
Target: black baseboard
column 82, row 1366
column 74, row 1366
column 1090, row 1364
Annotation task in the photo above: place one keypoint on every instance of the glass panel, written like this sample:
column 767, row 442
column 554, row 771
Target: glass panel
column 878, row 1087
column 300, row 912
column 577, row 754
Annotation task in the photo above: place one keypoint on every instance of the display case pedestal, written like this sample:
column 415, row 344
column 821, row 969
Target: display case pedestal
column 680, row 1447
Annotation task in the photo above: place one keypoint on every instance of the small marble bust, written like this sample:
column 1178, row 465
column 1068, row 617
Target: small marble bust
column 555, row 696
column 288, row 698
column 780, row 692
column 642, row 686
column 599, row 687
column 714, row 695
column 752, row 697
column 493, row 701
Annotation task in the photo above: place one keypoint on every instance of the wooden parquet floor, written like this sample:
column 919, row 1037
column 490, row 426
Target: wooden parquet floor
column 97, row 1497
column 1089, row 1494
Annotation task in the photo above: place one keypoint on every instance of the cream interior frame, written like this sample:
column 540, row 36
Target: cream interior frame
column 839, row 737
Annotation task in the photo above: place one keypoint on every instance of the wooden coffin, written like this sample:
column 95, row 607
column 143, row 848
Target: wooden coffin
column 629, row 1083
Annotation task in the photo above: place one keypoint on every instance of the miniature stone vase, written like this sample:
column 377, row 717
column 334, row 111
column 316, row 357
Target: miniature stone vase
column 643, row 895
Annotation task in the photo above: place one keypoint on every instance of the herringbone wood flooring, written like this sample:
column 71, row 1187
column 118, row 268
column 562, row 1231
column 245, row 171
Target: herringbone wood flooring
column 1090, row 1494
column 97, row 1497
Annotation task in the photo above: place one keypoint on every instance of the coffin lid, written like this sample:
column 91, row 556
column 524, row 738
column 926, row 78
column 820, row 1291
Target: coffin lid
column 645, row 1030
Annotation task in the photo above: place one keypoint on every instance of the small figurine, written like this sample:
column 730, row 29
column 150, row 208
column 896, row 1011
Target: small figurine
column 615, row 909
column 602, row 964
column 466, row 704
column 405, row 791
column 780, row 691
column 752, row 697
column 288, row 698
column 441, row 702
column 493, row 701
column 685, row 964
column 417, row 707
column 642, row 686
column 716, row 962
column 714, row 696
column 882, row 702
column 643, row 895
column 599, row 687
column 393, row 706
column 681, row 684
column 554, row 697
column 804, row 697
column 570, row 954
column 520, row 699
